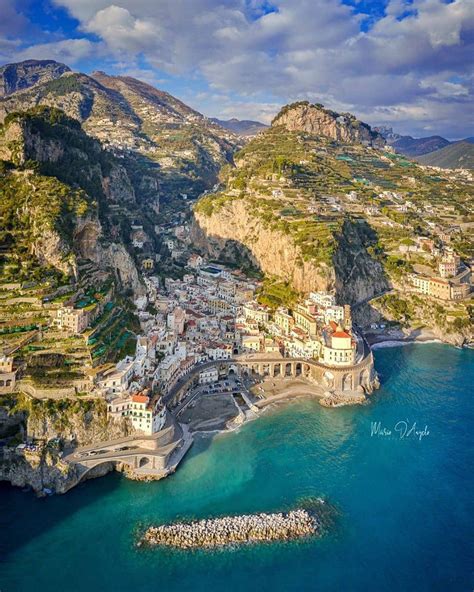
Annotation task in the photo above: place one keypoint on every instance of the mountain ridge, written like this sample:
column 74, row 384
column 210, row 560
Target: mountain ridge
column 242, row 127
column 168, row 147
column 455, row 155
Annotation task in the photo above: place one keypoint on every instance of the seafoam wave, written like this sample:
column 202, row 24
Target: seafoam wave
column 400, row 343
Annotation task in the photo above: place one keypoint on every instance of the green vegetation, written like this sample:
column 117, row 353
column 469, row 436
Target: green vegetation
column 275, row 293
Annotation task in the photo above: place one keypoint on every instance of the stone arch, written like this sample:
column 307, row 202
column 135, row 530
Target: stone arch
column 298, row 369
column 288, row 369
column 276, row 369
column 2, row 383
column 306, row 370
column 144, row 462
column 347, row 382
column 328, row 379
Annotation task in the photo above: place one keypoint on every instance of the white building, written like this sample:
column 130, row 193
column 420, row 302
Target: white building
column 323, row 298
column 117, row 380
column 333, row 313
column 145, row 414
column 339, row 348
column 209, row 375
column 221, row 351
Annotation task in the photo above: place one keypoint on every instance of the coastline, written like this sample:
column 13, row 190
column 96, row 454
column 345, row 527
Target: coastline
column 397, row 337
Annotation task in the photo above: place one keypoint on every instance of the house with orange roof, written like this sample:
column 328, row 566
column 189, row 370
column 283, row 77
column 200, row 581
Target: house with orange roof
column 146, row 414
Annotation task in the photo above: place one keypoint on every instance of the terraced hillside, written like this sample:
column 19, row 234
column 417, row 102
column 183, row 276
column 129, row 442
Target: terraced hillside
column 167, row 147
column 59, row 248
column 320, row 213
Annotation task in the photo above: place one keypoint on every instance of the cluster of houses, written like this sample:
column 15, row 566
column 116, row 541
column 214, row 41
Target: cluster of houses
column 315, row 328
column 453, row 281
column 211, row 315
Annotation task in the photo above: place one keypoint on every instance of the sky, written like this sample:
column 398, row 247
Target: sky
column 408, row 64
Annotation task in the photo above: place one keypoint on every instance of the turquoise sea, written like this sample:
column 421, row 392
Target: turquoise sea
column 405, row 506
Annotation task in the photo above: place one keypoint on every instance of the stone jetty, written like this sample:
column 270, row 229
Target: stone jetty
column 231, row 530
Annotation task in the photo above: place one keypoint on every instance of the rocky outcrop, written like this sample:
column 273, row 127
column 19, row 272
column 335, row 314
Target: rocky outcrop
column 118, row 258
column 22, row 75
column 318, row 121
column 80, row 422
column 61, row 149
column 40, row 472
column 358, row 275
column 236, row 233
column 117, row 186
column 88, row 235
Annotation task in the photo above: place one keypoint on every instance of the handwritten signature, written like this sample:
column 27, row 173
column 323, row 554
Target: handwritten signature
column 404, row 429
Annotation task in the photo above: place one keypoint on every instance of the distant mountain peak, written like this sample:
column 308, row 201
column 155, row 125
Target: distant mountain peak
column 23, row 75
column 241, row 127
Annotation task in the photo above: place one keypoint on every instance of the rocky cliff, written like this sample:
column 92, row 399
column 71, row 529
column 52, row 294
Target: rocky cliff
column 57, row 191
column 316, row 120
column 235, row 233
column 78, row 422
column 74, row 422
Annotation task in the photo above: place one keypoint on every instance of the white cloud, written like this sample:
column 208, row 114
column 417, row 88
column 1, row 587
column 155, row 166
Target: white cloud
column 68, row 51
column 416, row 61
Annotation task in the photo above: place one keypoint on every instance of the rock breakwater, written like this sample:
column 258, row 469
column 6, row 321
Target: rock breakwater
column 231, row 530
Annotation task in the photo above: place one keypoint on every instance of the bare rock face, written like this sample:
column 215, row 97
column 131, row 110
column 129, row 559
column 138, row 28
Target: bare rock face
column 16, row 77
column 234, row 232
column 87, row 233
column 76, row 425
column 118, row 258
column 117, row 186
column 318, row 121
column 51, row 250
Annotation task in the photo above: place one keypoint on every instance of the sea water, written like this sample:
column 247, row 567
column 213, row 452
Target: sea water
column 398, row 471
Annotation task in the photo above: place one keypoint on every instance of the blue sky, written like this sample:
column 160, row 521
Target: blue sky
column 404, row 63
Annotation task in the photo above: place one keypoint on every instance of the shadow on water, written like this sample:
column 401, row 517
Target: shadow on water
column 25, row 516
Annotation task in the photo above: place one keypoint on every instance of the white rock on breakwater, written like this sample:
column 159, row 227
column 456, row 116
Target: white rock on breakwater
column 228, row 530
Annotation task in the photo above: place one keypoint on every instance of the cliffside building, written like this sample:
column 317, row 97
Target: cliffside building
column 146, row 414
column 7, row 375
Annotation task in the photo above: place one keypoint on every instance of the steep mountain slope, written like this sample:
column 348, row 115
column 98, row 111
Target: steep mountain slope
column 241, row 127
column 454, row 156
column 322, row 213
column 57, row 185
column 167, row 147
column 15, row 77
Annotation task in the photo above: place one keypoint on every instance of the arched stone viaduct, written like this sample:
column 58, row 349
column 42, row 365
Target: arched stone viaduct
column 344, row 379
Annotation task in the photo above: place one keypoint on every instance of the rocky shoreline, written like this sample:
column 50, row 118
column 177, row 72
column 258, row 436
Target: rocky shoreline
column 232, row 530
column 394, row 337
